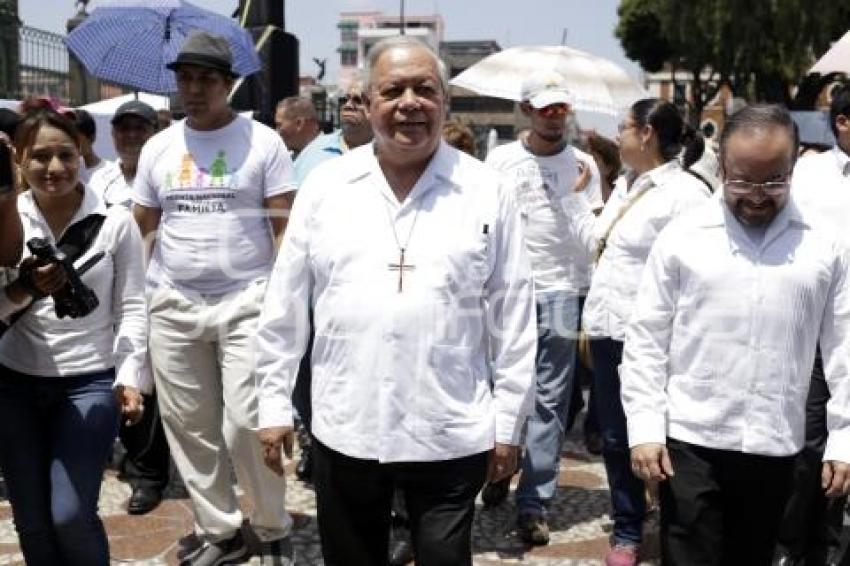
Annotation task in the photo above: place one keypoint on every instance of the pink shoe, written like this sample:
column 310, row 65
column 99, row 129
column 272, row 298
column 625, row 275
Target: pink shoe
column 622, row 554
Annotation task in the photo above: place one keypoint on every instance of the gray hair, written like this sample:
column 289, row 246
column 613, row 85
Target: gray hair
column 405, row 42
column 298, row 107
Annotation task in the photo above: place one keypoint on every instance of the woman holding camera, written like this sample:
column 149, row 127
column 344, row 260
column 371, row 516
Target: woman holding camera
column 69, row 365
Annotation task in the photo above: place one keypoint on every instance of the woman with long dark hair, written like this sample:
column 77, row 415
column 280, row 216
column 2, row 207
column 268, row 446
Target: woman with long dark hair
column 69, row 369
column 657, row 147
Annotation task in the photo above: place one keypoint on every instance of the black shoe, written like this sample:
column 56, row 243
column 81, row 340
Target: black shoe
column 304, row 468
column 144, row 500
column 218, row 553
column 593, row 443
column 401, row 552
column 494, row 493
column 532, row 529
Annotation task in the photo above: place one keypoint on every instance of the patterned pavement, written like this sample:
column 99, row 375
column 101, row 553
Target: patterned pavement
column 579, row 523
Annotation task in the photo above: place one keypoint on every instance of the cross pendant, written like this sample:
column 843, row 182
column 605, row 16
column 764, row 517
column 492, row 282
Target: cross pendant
column 401, row 267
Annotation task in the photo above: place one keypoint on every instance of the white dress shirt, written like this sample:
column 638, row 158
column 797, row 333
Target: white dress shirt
column 402, row 376
column 822, row 182
column 669, row 191
column 720, row 349
column 114, row 334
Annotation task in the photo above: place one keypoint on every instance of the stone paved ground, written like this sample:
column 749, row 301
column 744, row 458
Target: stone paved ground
column 579, row 523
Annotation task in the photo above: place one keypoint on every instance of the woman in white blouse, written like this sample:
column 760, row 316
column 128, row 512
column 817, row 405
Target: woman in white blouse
column 66, row 382
column 656, row 188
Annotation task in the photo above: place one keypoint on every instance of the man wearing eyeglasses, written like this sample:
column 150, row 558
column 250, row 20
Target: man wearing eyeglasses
column 354, row 131
column 542, row 167
column 735, row 298
column 811, row 528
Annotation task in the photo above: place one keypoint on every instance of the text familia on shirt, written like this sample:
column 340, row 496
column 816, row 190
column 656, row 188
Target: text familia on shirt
column 202, row 190
column 211, row 187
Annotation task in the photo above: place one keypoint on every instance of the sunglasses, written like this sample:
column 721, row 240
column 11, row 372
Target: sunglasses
column 739, row 187
column 553, row 110
column 355, row 99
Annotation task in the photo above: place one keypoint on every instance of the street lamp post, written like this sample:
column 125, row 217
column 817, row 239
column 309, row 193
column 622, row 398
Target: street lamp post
column 401, row 16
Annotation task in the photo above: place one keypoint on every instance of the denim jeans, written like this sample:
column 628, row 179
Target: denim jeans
column 557, row 325
column 55, row 436
column 627, row 491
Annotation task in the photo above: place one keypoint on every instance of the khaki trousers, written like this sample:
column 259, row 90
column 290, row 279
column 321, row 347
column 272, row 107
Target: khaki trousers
column 202, row 352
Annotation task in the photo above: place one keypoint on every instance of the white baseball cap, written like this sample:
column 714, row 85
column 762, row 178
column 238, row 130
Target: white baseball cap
column 544, row 88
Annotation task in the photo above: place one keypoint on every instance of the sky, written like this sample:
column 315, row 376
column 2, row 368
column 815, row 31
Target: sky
column 589, row 25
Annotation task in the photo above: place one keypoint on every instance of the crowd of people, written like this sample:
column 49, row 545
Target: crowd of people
column 418, row 320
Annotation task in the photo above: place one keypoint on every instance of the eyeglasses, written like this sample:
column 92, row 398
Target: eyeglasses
column 355, row 99
column 553, row 110
column 772, row 188
column 622, row 127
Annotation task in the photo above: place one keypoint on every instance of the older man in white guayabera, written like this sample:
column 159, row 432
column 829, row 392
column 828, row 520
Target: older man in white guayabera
column 410, row 255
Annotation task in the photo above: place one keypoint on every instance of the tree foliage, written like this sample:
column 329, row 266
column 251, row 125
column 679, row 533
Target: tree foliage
column 761, row 49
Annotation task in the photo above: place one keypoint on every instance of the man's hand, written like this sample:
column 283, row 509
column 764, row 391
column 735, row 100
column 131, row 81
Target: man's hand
column 272, row 439
column 835, row 478
column 130, row 401
column 651, row 462
column 502, row 462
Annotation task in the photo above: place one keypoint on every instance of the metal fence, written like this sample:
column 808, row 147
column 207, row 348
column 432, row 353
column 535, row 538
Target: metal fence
column 43, row 65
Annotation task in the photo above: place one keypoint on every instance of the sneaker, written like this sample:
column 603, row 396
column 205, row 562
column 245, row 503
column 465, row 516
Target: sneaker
column 218, row 553
column 532, row 529
column 622, row 554
column 278, row 552
column 494, row 493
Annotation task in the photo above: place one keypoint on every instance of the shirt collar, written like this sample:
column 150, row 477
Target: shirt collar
column 656, row 176
column 92, row 204
column 437, row 172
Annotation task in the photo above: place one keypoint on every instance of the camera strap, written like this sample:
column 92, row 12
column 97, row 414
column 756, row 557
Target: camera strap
column 76, row 240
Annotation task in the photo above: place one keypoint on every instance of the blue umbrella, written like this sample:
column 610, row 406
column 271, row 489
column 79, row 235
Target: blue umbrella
column 130, row 41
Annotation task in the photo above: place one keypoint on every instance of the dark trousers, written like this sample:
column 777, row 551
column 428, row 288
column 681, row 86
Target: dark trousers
column 811, row 527
column 628, row 501
column 722, row 508
column 55, row 437
column 148, row 460
column 354, row 498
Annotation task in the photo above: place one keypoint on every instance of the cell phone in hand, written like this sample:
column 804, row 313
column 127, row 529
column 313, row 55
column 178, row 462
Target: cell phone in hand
column 7, row 172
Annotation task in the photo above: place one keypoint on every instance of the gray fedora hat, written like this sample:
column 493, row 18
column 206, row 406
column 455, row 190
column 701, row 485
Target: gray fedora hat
column 205, row 50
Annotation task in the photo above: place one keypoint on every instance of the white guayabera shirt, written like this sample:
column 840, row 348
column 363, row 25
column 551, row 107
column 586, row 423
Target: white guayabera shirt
column 400, row 364
column 720, row 349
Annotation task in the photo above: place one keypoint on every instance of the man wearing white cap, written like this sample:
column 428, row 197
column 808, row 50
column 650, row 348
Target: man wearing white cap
column 543, row 167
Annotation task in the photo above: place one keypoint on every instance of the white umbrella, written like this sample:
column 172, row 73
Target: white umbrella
column 836, row 60
column 597, row 84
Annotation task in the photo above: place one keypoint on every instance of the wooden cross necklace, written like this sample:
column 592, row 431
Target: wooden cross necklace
column 401, row 267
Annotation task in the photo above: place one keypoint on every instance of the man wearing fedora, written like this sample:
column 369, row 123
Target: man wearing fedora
column 211, row 196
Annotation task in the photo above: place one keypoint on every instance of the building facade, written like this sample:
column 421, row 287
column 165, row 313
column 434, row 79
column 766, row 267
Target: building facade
column 359, row 31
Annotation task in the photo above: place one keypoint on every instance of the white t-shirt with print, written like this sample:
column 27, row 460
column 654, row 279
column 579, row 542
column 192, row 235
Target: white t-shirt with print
column 559, row 262
column 214, row 236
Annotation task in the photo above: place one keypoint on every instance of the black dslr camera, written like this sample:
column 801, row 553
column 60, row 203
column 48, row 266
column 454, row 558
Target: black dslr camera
column 75, row 299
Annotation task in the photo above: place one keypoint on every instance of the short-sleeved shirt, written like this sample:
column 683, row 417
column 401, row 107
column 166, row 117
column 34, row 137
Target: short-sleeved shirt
column 215, row 237
column 541, row 183
column 324, row 147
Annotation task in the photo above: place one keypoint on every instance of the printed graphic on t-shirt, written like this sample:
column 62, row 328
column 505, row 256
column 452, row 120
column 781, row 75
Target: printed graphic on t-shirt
column 198, row 190
column 536, row 188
